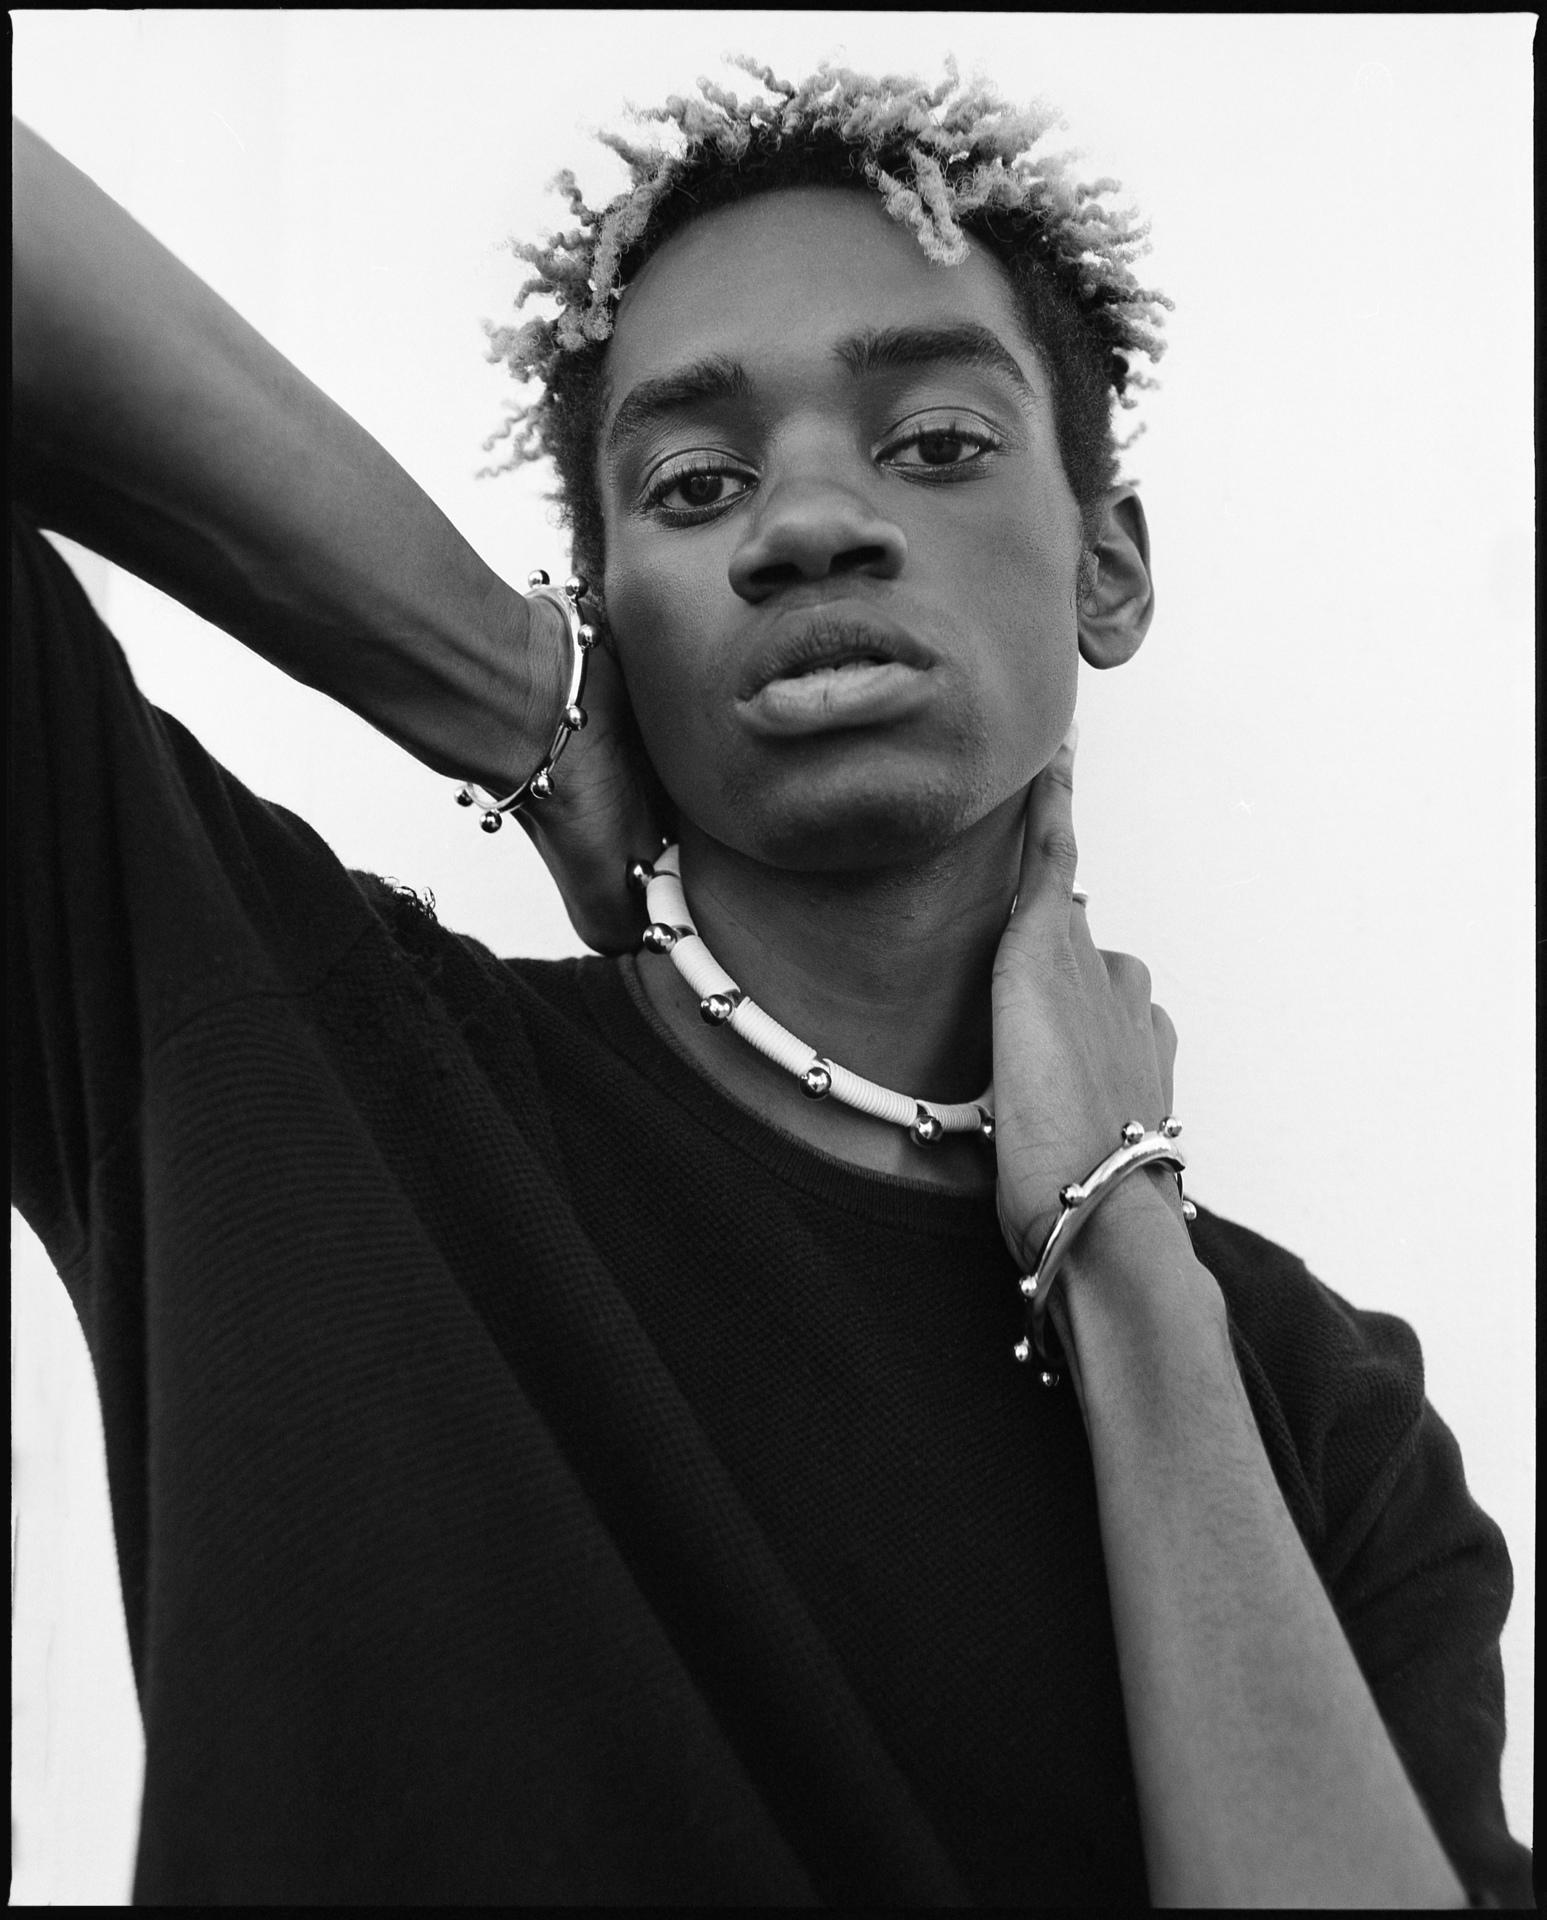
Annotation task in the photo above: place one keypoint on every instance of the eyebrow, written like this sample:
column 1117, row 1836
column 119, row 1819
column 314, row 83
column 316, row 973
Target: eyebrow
column 878, row 350
column 964, row 344
column 700, row 384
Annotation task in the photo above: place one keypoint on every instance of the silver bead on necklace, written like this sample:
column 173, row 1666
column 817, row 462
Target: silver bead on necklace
column 723, row 1003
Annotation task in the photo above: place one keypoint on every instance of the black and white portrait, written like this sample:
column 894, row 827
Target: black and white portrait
column 912, row 1228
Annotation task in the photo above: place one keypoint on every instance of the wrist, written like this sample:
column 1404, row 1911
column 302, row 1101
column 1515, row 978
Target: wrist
column 1132, row 1284
column 529, row 651
column 1136, row 1210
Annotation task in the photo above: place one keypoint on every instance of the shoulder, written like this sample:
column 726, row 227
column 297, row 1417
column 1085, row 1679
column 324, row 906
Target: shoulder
column 463, row 970
column 1338, row 1390
column 1299, row 1327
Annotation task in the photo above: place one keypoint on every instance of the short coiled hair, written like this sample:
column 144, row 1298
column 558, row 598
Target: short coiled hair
column 951, row 163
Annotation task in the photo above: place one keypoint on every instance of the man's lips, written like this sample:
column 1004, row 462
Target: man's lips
column 830, row 670
column 833, row 699
column 830, row 638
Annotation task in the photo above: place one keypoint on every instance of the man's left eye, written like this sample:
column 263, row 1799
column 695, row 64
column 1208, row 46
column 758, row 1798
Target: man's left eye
column 943, row 447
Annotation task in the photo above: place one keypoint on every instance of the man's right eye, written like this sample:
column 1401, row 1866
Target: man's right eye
column 701, row 488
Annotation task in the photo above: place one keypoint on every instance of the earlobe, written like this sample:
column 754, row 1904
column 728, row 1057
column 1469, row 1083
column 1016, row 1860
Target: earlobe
column 1117, row 592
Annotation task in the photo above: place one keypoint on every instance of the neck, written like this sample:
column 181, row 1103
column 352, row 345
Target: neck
column 887, row 971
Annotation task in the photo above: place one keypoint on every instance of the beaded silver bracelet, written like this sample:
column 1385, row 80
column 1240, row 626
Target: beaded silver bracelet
column 581, row 640
column 1077, row 1202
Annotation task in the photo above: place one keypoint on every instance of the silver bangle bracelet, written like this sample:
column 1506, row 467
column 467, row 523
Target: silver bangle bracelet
column 1077, row 1202
column 581, row 640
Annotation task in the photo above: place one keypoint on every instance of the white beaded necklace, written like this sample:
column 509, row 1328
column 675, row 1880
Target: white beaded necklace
column 722, row 1003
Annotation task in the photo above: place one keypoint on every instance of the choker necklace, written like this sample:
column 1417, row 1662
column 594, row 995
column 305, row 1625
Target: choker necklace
column 722, row 1003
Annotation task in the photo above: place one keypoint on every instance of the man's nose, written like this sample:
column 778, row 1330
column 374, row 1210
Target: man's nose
column 812, row 526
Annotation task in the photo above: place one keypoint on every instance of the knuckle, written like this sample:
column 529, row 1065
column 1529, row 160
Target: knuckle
column 1059, row 847
column 1128, row 973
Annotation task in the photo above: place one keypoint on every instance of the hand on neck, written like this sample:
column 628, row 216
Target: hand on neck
column 886, row 970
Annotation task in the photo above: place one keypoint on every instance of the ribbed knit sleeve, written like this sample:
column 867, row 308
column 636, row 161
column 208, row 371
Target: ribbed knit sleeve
column 146, row 885
column 1419, row 1575
column 1423, row 1596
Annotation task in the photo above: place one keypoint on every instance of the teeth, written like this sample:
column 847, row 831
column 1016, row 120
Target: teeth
column 837, row 666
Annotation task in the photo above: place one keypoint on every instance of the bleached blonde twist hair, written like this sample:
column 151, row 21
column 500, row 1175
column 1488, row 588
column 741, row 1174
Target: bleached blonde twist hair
column 947, row 161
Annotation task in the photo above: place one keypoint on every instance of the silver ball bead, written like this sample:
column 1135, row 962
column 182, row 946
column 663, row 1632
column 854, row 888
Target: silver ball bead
column 1133, row 1133
column 640, row 874
column 816, row 1083
column 538, row 577
column 927, row 1130
column 660, row 938
column 1170, row 1126
column 575, row 586
column 1070, row 1196
column 1029, row 1286
column 464, row 798
column 1189, row 1212
column 985, row 1123
column 574, row 718
column 542, row 786
column 716, row 1009
column 491, row 822
column 585, row 637
column 1049, row 1378
column 1023, row 1351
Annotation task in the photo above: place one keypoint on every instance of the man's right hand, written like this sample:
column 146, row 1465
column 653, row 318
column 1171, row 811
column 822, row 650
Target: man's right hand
column 607, row 809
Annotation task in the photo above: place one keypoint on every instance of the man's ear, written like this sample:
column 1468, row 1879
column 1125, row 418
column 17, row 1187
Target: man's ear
column 1116, row 598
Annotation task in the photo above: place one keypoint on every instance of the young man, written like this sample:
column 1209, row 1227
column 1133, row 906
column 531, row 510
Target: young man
column 554, row 1457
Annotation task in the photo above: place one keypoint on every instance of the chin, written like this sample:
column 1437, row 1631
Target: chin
column 848, row 822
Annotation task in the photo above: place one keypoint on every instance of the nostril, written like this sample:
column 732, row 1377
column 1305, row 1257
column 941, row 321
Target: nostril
column 785, row 547
column 785, row 573
column 859, row 560
column 779, row 573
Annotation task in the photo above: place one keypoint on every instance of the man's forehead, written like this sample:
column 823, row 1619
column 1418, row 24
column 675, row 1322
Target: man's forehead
column 840, row 240
column 810, row 274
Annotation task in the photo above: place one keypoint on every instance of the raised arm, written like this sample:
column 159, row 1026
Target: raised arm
column 158, row 428
column 154, row 425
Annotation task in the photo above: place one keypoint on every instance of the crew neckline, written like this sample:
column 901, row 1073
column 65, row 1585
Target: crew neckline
column 620, row 1006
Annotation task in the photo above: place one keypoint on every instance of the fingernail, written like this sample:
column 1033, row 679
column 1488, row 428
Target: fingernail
column 1072, row 737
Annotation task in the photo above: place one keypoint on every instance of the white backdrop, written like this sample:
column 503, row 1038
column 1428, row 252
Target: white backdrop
column 1307, row 804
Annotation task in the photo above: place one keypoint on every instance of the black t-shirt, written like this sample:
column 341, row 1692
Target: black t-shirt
column 535, row 1478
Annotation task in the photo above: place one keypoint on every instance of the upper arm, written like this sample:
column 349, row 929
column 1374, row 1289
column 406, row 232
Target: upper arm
column 1423, row 1598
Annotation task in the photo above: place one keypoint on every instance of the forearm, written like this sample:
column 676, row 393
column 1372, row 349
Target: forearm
column 1265, row 1774
column 155, row 426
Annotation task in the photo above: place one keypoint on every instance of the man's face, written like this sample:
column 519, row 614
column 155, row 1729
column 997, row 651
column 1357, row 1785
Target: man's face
column 832, row 481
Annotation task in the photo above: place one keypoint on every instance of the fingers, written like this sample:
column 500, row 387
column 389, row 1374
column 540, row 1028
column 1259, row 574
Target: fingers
column 1132, row 986
column 1165, row 1054
column 1129, row 976
column 604, row 815
column 1049, row 852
